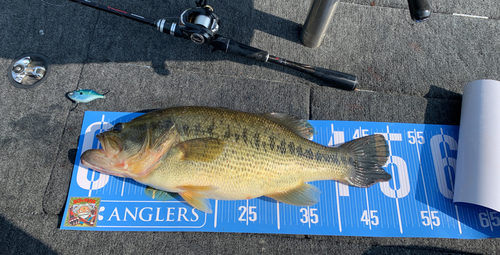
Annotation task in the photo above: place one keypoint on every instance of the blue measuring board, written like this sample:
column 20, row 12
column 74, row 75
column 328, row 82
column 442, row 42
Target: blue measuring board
column 417, row 202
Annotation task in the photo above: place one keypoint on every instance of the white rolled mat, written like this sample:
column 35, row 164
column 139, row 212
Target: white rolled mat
column 477, row 178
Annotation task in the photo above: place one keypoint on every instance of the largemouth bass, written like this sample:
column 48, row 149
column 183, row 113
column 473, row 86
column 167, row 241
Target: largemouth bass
column 206, row 153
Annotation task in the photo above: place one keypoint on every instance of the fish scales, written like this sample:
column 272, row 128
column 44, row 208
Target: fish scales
column 230, row 126
column 253, row 170
column 202, row 152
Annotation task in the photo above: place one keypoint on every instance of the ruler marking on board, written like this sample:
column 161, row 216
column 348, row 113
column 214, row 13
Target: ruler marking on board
column 278, row 213
column 248, row 213
column 337, row 136
column 451, row 181
column 338, row 205
column 91, row 181
column 368, row 213
column 309, row 213
column 489, row 220
column 215, row 213
column 391, row 162
column 458, row 221
column 123, row 185
column 423, row 179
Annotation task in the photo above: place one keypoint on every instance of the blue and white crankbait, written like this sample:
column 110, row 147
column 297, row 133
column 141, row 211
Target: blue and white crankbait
column 84, row 95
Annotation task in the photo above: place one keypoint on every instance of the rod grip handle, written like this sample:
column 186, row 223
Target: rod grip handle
column 336, row 79
column 233, row 47
column 333, row 78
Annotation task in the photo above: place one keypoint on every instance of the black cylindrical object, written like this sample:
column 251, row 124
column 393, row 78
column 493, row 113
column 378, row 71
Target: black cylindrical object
column 420, row 10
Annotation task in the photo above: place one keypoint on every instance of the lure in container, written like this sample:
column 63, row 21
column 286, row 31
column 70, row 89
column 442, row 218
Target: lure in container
column 84, row 95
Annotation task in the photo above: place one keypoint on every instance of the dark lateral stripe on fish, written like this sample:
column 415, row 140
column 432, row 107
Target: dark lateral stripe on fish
column 291, row 148
column 210, row 129
column 227, row 134
column 256, row 139
column 282, row 147
column 256, row 142
column 197, row 129
column 272, row 143
column 244, row 135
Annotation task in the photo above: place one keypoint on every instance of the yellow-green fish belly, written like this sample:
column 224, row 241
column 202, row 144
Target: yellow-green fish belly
column 236, row 174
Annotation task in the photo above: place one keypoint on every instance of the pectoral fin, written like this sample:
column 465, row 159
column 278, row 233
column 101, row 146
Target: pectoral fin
column 159, row 195
column 201, row 149
column 195, row 199
column 303, row 195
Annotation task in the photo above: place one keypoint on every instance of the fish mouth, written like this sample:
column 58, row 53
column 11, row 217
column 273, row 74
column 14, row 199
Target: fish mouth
column 116, row 160
column 111, row 145
column 96, row 159
column 105, row 160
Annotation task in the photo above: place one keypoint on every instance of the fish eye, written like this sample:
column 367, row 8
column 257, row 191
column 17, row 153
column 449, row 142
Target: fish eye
column 118, row 127
column 81, row 93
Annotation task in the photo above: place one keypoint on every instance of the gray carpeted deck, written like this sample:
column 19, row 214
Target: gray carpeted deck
column 417, row 71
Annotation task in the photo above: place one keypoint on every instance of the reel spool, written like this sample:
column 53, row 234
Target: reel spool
column 199, row 24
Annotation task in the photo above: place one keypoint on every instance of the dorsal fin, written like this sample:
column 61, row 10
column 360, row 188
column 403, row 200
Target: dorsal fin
column 300, row 127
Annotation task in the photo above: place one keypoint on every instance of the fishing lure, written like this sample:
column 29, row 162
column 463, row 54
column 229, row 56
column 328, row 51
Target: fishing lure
column 84, row 95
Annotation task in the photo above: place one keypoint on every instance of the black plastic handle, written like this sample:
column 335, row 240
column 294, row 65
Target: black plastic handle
column 420, row 10
column 233, row 47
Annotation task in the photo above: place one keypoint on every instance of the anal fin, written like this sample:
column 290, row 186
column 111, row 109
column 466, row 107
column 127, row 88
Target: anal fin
column 195, row 199
column 303, row 195
column 159, row 195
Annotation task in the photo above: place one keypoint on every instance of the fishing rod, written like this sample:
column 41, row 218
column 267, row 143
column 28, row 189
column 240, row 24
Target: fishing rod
column 201, row 26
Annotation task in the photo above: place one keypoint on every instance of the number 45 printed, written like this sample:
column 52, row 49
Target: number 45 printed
column 370, row 217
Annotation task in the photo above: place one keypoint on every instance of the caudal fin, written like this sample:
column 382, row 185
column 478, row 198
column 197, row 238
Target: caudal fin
column 370, row 154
